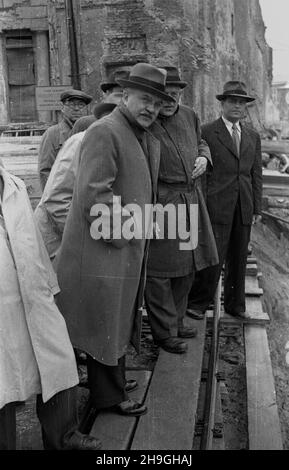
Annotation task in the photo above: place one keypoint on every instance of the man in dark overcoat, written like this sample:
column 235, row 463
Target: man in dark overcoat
column 102, row 277
column 184, row 158
column 234, row 196
column 74, row 103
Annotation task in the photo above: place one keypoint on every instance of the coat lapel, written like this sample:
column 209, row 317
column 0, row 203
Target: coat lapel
column 225, row 138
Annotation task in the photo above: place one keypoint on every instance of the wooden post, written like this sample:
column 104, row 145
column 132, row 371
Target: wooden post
column 53, row 42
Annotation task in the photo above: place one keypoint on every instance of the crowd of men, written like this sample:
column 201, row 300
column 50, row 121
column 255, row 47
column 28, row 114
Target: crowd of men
column 139, row 153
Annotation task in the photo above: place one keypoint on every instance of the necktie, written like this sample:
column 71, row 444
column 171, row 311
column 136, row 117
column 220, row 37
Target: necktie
column 236, row 139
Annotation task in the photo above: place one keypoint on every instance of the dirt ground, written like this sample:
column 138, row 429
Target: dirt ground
column 272, row 254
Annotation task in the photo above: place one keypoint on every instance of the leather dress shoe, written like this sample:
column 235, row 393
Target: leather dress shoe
column 195, row 314
column 130, row 385
column 187, row 332
column 238, row 315
column 79, row 441
column 173, row 345
column 130, row 408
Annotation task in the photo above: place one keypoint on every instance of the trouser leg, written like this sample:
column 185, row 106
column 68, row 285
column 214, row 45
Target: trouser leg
column 58, row 417
column 181, row 287
column 106, row 383
column 235, row 268
column 206, row 281
column 166, row 301
column 8, row 427
column 161, row 308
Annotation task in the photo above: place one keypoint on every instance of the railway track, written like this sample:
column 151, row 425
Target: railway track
column 183, row 392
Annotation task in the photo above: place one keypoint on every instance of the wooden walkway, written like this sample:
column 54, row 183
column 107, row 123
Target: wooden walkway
column 173, row 391
column 171, row 395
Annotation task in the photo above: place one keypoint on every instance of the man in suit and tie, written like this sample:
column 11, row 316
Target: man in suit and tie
column 234, row 194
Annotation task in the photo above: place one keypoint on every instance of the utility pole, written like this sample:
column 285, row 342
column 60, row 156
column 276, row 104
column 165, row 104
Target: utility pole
column 72, row 40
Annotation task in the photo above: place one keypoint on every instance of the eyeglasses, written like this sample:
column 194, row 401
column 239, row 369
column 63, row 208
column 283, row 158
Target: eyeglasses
column 75, row 104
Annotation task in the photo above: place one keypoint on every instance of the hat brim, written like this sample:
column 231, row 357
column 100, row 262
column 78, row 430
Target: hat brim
column 105, row 86
column 235, row 95
column 179, row 84
column 140, row 86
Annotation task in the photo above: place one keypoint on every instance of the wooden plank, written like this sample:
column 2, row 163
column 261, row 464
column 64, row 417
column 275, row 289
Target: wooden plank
column 263, row 420
column 252, row 287
column 116, row 431
column 254, row 312
column 282, row 190
column 251, row 269
column 172, row 398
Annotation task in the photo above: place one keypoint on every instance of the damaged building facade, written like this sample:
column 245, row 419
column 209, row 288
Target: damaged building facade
column 79, row 42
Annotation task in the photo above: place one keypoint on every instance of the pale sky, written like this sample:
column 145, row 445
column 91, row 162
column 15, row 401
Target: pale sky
column 276, row 18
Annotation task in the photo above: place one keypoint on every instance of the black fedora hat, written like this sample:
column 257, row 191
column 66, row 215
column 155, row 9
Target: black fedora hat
column 121, row 72
column 235, row 89
column 75, row 94
column 173, row 76
column 148, row 78
column 103, row 108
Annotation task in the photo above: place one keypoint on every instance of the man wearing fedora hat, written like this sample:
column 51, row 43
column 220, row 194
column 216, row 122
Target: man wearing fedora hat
column 234, row 195
column 74, row 104
column 112, row 94
column 101, row 265
column 184, row 158
column 52, row 210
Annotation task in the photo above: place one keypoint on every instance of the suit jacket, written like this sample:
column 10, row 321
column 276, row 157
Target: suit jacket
column 232, row 177
column 102, row 282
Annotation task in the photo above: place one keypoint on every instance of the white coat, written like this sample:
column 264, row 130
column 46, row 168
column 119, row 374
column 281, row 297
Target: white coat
column 36, row 355
column 52, row 210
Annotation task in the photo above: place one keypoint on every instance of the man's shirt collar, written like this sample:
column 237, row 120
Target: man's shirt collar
column 229, row 125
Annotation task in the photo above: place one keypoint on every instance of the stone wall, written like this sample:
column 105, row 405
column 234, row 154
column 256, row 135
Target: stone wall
column 211, row 41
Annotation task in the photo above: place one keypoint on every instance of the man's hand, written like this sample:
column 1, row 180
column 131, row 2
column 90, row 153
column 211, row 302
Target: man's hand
column 256, row 219
column 156, row 231
column 200, row 167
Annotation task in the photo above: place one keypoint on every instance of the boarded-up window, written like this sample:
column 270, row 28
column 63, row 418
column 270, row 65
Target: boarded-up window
column 21, row 77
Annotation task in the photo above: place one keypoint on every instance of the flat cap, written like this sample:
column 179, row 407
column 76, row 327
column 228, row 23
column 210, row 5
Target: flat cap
column 75, row 94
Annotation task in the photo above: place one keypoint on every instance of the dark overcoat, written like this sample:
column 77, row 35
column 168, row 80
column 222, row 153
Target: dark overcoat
column 181, row 145
column 102, row 282
column 231, row 177
column 51, row 142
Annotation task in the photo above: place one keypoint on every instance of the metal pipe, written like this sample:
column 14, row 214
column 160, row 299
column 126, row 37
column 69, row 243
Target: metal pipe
column 70, row 21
